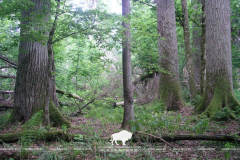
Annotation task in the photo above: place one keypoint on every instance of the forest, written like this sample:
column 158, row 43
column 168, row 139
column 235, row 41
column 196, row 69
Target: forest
column 130, row 79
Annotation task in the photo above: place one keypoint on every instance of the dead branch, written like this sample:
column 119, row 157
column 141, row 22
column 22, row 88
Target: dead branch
column 6, row 107
column 69, row 95
column 80, row 109
column 152, row 138
column 6, row 76
column 6, row 92
column 150, row 135
column 122, row 103
column 8, row 61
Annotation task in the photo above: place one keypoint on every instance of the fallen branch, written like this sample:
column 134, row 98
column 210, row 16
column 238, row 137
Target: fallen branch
column 122, row 103
column 8, row 61
column 138, row 132
column 80, row 109
column 6, row 107
column 69, row 94
column 6, row 92
column 8, row 67
column 153, row 138
column 6, row 76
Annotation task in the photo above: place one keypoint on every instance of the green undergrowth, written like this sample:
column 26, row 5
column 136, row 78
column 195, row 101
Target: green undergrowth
column 237, row 94
column 4, row 116
column 150, row 118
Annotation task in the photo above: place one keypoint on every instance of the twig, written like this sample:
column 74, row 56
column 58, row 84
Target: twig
column 150, row 135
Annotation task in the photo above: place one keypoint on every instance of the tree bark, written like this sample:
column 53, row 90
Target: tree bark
column 188, row 51
column 169, row 85
column 127, row 68
column 32, row 76
column 197, row 39
column 203, row 49
column 218, row 89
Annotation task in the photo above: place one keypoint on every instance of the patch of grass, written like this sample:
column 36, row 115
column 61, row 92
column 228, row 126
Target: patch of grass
column 237, row 94
column 4, row 116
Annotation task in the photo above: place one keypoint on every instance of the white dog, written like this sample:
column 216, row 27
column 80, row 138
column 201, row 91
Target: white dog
column 121, row 136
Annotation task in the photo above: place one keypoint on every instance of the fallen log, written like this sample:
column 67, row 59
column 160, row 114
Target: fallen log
column 6, row 92
column 122, row 103
column 69, row 94
column 143, row 137
column 6, row 107
column 6, row 76
column 153, row 138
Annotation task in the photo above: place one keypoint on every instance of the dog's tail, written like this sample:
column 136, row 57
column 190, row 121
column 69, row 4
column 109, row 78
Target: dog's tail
column 111, row 138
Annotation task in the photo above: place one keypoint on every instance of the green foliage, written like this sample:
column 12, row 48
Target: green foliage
column 4, row 116
column 79, row 137
column 202, row 125
column 35, row 121
column 55, row 155
column 224, row 114
column 107, row 115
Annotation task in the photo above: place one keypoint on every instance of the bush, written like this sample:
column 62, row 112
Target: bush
column 224, row 115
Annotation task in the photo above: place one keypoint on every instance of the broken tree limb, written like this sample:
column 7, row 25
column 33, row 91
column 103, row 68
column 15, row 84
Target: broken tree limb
column 8, row 67
column 69, row 94
column 152, row 138
column 6, row 76
column 138, row 132
column 3, row 108
column 9, row 61
column 80, row 109
column 122, row 103
column 6, row 92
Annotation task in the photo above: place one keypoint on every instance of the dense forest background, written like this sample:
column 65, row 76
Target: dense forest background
column 75, row 72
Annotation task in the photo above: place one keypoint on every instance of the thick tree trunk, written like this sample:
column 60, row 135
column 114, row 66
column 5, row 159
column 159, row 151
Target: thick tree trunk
column 197, row 39
column 203, row 49
column 188, row 51
column 169, row 85
column 31, row 89
column 127, row 68
column 218, row 89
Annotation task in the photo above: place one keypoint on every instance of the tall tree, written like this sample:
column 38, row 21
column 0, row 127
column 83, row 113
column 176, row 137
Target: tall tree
column 218, row 89
column 197, row 39
column 188, row 51
column 32, row 82
column 127, row 68
column 169, row 85
column 203, row 49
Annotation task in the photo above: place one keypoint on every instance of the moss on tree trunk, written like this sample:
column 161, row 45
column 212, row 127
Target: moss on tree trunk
column 222, row 97
column 218, row 92
column 169, row 84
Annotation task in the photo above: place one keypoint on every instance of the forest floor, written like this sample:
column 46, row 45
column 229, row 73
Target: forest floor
column 30, row 148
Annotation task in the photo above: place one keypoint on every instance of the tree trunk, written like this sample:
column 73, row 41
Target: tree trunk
column 203, row 49
column 127, row 68
column 197, row 39
column 218, row 89
column 169, row 85
column 32, row 83
column 188, row 51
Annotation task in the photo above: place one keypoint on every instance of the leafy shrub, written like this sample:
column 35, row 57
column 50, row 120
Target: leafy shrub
column 224, row 114
column 4, row 117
